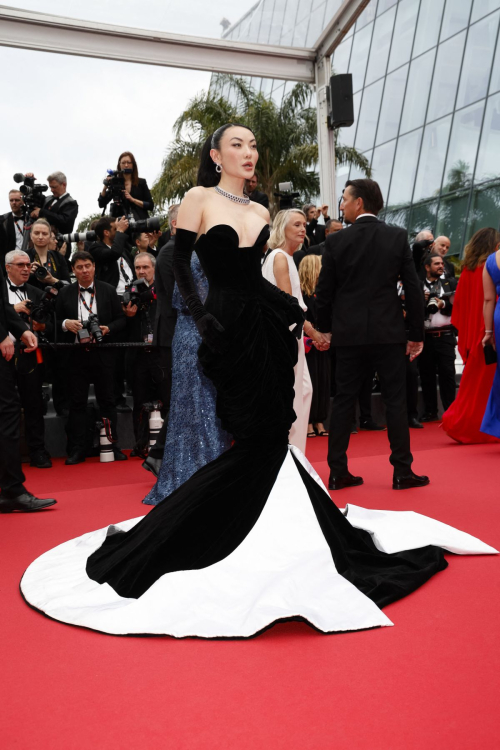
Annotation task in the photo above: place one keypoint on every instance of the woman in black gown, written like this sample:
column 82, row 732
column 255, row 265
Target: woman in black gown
column 253, row 537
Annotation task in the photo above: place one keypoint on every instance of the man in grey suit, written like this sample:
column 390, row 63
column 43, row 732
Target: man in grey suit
column 360, row 314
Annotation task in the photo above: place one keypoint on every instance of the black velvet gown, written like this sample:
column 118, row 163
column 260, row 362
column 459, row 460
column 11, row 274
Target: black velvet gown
column 253, row 537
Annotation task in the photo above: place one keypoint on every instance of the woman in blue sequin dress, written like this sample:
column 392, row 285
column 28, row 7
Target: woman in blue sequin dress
column 194, row 435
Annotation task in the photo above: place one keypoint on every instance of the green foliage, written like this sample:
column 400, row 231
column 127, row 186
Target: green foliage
column 87, row 221
column 286, row 135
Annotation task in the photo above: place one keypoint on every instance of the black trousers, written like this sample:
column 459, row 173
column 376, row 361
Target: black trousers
column 438, row 356
column 151, row 380
column 353, row 363
column 365, row 390
column 86, row 367
column 412, row 388
column 11, row 474
column 28, row 375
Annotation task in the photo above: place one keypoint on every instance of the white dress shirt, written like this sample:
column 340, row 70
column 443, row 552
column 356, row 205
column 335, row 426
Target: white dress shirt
column 14, row 297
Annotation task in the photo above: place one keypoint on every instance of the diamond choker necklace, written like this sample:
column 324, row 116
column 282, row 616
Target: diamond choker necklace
column 245, row 200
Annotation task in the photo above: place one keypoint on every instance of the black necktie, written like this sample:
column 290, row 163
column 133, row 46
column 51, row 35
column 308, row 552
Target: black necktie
column 21, row 288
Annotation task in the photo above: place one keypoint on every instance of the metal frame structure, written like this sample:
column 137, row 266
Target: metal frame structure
column 69, row 36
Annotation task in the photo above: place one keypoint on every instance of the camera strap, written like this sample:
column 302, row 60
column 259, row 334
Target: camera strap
column 84, row 303
column 124, row 272
column 50, row 265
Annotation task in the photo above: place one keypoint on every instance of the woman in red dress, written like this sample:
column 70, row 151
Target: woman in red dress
column 462, row 421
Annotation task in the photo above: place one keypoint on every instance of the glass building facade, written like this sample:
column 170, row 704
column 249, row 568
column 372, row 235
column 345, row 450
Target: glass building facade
column 426, row 85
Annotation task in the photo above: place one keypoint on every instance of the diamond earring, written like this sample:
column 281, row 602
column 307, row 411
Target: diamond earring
column 218, row 168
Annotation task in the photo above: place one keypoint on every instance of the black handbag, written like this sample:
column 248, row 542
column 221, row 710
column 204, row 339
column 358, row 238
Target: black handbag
column 490, row 355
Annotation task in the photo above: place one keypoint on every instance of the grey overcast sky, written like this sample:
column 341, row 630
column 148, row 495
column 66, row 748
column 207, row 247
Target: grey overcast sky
column 78, row 114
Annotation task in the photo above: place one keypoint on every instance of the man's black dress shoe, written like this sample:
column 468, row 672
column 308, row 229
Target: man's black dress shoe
column 429, row 417
column 371, row 426
column 409, row 480
column 119, row 456
column 41, row 460
column 346, row 480
column 413, row 422
column 152, row 465
column 25, row 503
column 75, row 458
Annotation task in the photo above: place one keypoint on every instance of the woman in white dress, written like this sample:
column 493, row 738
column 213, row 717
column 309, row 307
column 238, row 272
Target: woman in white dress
column 288, row 233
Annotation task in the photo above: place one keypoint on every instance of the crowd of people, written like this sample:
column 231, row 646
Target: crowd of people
column 116, row 286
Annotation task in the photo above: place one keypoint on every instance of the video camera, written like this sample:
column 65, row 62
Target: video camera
column 91, row 331
column 139, row 293
column 33, row 192
column 287, row 197
column 115, row 183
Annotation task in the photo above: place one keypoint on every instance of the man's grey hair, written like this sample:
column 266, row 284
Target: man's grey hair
column 59, row 177
column 10, row 256
column 173, row 211
column 423, row 235
column 307, row 206
column 146, row 255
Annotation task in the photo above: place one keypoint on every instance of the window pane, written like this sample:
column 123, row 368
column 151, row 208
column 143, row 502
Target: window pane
column 357, row 173
column 289, row 21
column 429, row 20
column 359, row 56
column 495, row 73
column 482, row 7
column 380, row 46
column 277, row 22
column 405, row 166
column 463, row 147
column 404, row 31
column 392, row 104
column 430, row 168
column 316, row 26
column 367, row 15
column 346, row 135
column 485, row 209
column 451, row 219
column 368, row 116
column 423, row 216
column 456, row 17
column 384, row 5
column 397, row 217
column 444, row 84
column 477, row 61
column 341, row 56
column 417, row 91
column 488, row 162
column 383, row 156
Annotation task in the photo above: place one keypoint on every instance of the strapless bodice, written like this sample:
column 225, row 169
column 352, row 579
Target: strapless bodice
column 226, row 264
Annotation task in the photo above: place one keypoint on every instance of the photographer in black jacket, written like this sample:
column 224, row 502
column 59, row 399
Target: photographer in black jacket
column 61, row 209
column 440, row 339
column 111, row 253
column 129, row 193
column 149, row 368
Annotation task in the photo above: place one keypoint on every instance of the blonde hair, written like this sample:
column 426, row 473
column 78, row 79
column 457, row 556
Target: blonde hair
column 277, row 238
column 309, row 269
column 41, row 221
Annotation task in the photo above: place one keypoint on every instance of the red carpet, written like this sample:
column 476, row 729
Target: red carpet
column 430, row 682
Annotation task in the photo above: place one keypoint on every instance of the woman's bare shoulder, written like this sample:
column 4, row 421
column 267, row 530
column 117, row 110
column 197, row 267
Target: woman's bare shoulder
column 261, row 211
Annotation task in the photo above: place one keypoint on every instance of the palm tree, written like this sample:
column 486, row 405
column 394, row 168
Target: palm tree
column 286, row 135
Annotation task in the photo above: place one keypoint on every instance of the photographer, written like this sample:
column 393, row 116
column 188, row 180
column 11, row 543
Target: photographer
column 27, row 371
column 13, row 222
column 48, row 267
column 112, row 256
column 129, row 192
column 315, row 232
column 88, row 363
column 256, row 195
column 61, row 210
column 141, row 244
column 14, row 495
column 149, row 368
column 422, row 247
column 440, row 340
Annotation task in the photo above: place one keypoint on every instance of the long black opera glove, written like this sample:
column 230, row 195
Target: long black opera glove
column 209, row 328
column 288, row 304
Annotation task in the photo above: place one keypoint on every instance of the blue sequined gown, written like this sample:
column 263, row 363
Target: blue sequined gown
column 491, row 419
column 194, row 435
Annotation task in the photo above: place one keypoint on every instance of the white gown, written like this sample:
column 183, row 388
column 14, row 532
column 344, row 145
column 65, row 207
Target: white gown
column 303, row 385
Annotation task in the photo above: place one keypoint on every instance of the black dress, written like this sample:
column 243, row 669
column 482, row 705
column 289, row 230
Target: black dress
column 319, row 365
column 253, row 537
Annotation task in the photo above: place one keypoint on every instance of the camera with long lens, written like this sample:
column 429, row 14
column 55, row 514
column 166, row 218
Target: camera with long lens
column 75, row 237
column 287, row 197
column 33, row 192
column 91, row 331
column 145, row 225
column 435, row 293
column 139, row 293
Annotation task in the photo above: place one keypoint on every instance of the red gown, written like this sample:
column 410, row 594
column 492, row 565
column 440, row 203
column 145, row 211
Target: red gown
column 463, row 419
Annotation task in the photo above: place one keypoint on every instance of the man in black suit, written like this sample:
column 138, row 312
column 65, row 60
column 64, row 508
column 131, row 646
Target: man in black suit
column 315, row 232
column 359, row 312
column 163, row 330
column 61, row 209
column 28, row 373
column 11, row 225
column 112, row 257
column 88, row 363
column 256, row 195
column 330, row 227
column 442, row 247
column 14, row 495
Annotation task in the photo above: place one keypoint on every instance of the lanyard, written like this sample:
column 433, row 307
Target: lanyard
column 18, row 227
column 123, row 272
column 82, row 301
column 50, row 266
